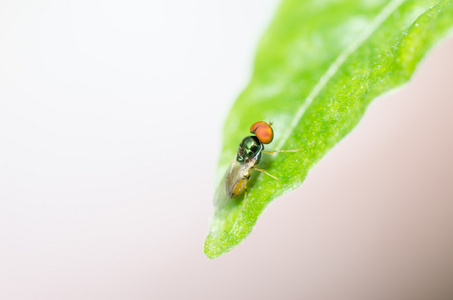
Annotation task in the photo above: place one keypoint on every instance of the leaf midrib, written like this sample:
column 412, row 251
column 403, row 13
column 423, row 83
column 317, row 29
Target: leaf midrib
column 381, row 17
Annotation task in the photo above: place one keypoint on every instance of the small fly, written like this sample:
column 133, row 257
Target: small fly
column 246, row 160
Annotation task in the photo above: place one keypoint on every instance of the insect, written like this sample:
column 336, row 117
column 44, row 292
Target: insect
column 245, row 162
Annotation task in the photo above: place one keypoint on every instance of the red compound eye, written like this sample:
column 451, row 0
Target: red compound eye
column 263, row 131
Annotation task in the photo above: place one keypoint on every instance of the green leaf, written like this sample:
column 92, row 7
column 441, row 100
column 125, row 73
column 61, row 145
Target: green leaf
column 317, row 68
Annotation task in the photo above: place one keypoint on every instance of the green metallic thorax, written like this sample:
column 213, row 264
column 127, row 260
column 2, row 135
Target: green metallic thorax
column 249, row 149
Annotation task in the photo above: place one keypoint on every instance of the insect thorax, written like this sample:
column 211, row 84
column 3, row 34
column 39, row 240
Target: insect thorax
column 249, row 149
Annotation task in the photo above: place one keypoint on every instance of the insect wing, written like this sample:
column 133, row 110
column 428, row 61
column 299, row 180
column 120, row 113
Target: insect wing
column 233, row 177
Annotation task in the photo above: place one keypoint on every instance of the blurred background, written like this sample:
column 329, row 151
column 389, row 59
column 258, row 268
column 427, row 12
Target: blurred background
column 110, row 121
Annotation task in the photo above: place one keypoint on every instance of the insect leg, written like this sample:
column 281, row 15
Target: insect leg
column 245, row 198
column 270, row 152
column 261, row 170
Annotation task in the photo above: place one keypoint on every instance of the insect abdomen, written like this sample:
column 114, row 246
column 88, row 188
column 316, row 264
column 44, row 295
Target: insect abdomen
column 237, row 190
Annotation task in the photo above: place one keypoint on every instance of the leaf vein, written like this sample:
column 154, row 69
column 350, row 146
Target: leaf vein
column 381, row 17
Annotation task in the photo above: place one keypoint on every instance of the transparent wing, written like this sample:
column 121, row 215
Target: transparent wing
column 233, row 183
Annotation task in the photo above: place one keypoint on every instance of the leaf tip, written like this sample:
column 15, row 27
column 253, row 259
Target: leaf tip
column 211, row 248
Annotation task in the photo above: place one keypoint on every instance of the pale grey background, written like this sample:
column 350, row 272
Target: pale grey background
column 110, row 115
